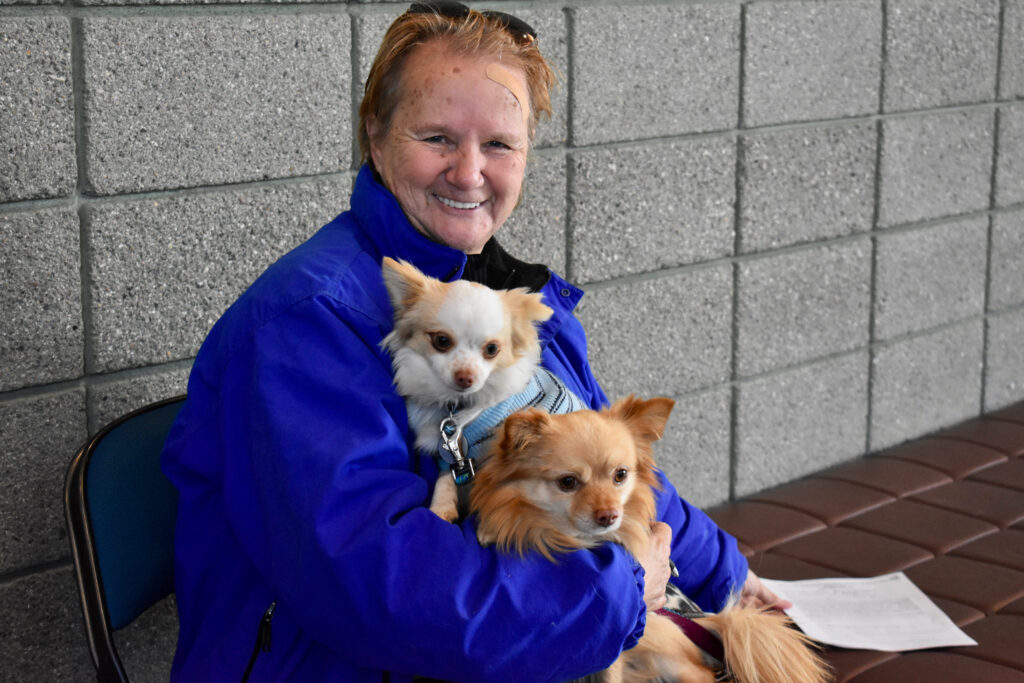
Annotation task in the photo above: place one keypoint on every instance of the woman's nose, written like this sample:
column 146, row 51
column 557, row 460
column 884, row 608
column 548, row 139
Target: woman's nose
column 466, row 170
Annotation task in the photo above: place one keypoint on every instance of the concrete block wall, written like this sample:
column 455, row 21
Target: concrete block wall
column 803, row 219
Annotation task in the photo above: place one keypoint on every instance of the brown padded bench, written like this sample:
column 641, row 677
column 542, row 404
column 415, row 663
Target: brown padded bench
column 946, row 509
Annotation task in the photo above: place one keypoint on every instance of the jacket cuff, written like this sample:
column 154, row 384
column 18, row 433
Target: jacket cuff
column 641, row 617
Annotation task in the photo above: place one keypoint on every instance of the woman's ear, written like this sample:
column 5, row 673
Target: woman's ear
column 372, row 132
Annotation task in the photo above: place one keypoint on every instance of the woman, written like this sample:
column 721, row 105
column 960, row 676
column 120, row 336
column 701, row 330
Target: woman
column 298, row 488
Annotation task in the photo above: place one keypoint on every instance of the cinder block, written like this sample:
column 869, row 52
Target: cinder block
column 641, row 209
column 110, row 400
column 41, row 636
column 799, row 306
column 1006, row 286
column 184, row 101
column 1010, row 157
column 41, row 300
column 666, row 337
column 935, row 165
column 1004, row 355
column 36, row 109
column 930, row 277
column 806, row 185
column 811, row 60
column 535, row 232
column 694, row 451
column 1011, row 83
column 654, row 70
column 940, row 53
column 924, row 383
column 799, row 421
column 164, row 270
column 40, row 435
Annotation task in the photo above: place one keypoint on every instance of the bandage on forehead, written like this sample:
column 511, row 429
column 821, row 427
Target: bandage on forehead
column 505, row 77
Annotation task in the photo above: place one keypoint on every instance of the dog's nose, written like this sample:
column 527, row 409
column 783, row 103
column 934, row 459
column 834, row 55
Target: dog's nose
column 606, row 517
column 464, row 380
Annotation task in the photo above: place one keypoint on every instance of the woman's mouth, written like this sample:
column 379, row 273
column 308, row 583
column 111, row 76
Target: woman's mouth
column 457, row 205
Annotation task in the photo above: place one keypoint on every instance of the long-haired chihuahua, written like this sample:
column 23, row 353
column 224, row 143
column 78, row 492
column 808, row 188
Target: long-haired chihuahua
column 557, row 483
column 457, row 347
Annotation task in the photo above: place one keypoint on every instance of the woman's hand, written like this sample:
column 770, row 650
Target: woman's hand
column 657, row 565
column 757, row 594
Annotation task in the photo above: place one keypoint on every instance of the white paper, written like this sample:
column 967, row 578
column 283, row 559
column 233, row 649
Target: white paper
column 887, row 613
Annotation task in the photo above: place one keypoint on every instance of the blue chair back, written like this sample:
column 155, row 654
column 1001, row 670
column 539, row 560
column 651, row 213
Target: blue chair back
column 120, row 511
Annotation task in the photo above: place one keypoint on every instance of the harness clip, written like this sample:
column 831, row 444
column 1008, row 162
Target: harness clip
column 461, row 467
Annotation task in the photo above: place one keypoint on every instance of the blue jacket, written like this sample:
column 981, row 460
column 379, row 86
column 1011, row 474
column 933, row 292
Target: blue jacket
column 298, row 484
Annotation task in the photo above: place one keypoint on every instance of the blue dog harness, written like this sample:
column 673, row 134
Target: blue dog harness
column 462, row 444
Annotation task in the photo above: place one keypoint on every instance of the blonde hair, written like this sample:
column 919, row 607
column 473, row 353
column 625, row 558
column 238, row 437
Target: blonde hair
column 473, row 35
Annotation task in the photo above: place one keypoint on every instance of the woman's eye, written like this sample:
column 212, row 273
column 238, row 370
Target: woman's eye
column 568, row 483
column 620, row 475
column 434, row 139
column 498, row 144
column 491, row 350
column 441, row 342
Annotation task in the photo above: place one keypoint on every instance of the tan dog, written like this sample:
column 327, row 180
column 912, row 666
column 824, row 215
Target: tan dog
column 556, row 483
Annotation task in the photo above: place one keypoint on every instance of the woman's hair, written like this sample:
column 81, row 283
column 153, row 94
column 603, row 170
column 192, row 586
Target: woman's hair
column 471, row 35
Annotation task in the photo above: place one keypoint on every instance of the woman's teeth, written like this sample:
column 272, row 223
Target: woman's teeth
column 457, row 205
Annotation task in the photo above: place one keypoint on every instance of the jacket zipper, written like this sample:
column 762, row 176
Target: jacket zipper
column 262, row 640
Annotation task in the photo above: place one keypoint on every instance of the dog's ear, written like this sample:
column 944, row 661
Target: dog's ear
column 646, row 419
column 526, row 309
column 522, row 428
column 404, row 282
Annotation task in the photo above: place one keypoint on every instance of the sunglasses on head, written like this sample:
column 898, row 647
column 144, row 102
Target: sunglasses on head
column 521, row 32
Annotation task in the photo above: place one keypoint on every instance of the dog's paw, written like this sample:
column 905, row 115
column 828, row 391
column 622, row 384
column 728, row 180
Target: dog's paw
column 446, row 511
column 448, row 514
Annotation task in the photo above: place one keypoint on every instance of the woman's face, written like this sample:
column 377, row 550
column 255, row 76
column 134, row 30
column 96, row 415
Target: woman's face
column 455, row 153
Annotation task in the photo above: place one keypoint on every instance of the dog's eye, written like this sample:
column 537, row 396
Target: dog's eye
column 620, row 475
column 440, row 341
column 568, row 483
column 491, row 350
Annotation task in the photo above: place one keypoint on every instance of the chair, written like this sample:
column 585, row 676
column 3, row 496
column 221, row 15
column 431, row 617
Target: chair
column 120, row 514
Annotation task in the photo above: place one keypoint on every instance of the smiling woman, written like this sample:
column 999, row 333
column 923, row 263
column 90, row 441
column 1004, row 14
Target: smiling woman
column 303, row 502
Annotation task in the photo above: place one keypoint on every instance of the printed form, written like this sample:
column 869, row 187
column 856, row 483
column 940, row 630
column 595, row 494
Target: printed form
column 887, row 613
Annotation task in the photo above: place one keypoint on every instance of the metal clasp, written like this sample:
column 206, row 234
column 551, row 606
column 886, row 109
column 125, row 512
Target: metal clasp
column 461, row 466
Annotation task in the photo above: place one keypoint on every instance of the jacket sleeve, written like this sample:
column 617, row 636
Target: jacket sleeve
column 711, row 567
column 323, row 494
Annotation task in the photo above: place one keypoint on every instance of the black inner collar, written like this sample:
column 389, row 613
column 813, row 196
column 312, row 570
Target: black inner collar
column 497, row 269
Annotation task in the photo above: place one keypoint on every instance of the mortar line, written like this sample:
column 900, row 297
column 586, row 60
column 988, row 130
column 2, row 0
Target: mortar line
column 873, row 285
column 999, row 49
column 989, row 253
column 355, row 97
column 869, row 412
column 19, row 573
column 85, row 271
column 94, row 380
column 570, row 167
column 738, row 170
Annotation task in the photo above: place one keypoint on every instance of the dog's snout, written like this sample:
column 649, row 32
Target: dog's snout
column 606, row 518
column 464, row 379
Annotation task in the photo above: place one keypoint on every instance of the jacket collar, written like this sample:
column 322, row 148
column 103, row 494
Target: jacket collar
column 384, row 224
